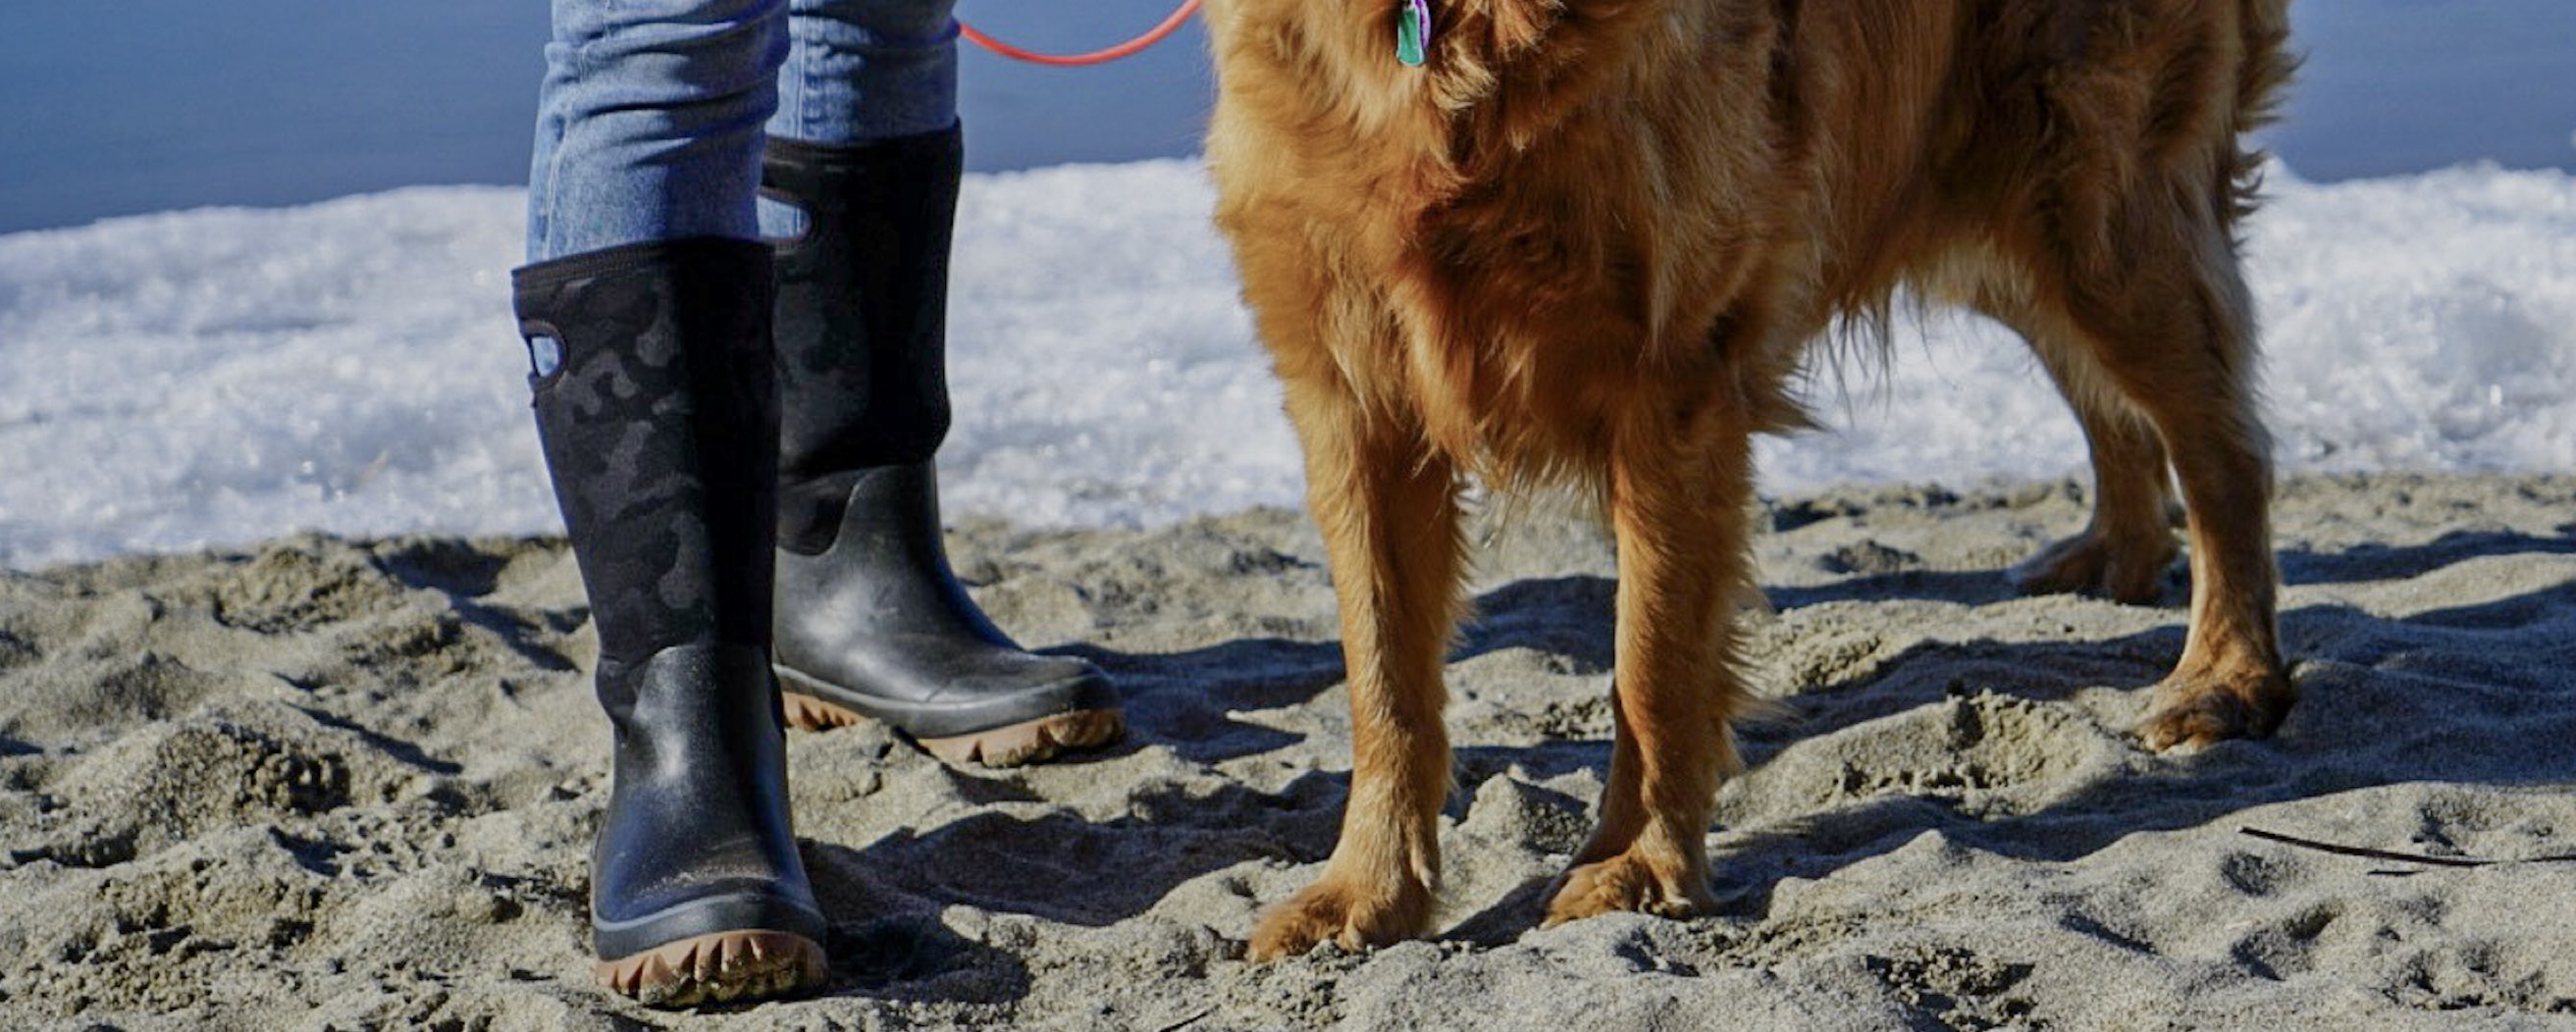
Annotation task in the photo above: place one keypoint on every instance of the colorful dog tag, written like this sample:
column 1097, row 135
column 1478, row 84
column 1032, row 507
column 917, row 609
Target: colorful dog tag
column 1412, row 32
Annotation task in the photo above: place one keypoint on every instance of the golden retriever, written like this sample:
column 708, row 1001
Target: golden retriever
column 1587, row 241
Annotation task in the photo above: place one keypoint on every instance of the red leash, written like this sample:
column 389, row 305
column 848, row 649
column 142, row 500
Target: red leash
column 1152, row 36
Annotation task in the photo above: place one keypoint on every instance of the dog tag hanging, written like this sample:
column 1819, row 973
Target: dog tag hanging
column 1412, row 32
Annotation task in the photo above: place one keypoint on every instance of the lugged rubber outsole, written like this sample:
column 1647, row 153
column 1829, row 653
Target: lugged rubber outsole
column 1008, row 746
column 721, row 967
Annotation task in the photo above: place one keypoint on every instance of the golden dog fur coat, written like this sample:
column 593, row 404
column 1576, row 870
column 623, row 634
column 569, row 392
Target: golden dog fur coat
column 1588, row 242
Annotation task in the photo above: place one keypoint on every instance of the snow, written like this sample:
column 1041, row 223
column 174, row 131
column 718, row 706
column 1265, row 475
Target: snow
column 220, row 376
column 2418, row 323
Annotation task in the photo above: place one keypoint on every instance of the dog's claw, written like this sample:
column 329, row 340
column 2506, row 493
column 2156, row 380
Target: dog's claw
column 1628, row 882
column 1339, row 911
column 2200, row 711
column 2129, row 570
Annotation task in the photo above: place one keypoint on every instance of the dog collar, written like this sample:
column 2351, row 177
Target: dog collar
column 1412, row 32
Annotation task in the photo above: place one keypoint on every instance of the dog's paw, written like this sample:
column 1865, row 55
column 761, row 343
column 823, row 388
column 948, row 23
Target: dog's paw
column 1630, row 882
column 2128, row 570
column 1348, row 913
column 2194, row 712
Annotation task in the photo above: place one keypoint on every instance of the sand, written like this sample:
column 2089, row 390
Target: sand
column 337, row 784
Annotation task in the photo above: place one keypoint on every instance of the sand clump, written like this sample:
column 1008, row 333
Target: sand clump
column 335, row 784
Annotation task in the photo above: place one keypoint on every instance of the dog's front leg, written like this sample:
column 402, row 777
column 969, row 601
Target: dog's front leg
column 1678, row 498
column 1387, row 505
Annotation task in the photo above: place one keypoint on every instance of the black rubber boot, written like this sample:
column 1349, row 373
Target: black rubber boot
column 870, row 621
column 657, row 403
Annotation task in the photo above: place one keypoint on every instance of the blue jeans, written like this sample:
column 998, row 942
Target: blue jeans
column 652, row 114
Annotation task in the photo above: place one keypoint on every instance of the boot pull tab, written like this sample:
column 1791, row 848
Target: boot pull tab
column 545, row 357
column 545, row 346
column 785, row 221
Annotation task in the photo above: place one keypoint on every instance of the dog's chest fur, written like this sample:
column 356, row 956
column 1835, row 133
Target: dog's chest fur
column 1582, row 206
column 1571, row 206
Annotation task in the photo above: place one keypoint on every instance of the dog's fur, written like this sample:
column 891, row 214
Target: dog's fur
column 1589, row 242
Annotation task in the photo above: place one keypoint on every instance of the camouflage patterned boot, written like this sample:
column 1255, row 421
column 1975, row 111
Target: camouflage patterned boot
column 657, row 404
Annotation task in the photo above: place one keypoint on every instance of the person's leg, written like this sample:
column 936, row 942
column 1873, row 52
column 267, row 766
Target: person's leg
column 646, row 309
column 649, row 122
column 860, row 71
column 861, row 181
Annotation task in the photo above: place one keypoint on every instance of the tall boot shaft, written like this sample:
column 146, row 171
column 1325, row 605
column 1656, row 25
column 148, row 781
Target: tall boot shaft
column 659, row 415
column 861, row 318
column 657, row 403
column 871, row 622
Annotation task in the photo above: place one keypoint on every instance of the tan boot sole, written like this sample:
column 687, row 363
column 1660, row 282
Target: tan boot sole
column 1011, row 746
column 721, row 967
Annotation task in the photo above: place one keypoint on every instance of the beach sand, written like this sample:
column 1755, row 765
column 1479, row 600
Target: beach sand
column 325, row 783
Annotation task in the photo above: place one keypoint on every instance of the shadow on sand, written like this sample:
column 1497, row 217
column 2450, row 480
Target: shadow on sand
column 2423, row 705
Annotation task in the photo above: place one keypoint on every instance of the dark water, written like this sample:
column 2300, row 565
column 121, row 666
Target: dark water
column 111, row 107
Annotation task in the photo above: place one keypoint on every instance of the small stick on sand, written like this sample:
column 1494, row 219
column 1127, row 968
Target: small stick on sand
column 2403, row 858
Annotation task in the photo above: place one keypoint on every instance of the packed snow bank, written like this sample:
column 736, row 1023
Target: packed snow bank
column 177, row 380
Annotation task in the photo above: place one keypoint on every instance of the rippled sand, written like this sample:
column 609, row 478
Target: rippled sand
column 351, row 784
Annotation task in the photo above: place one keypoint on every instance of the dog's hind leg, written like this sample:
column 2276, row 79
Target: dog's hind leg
column 2165, row 306
column 2123, row 553
column 1677, row 489
column 1387, row 505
